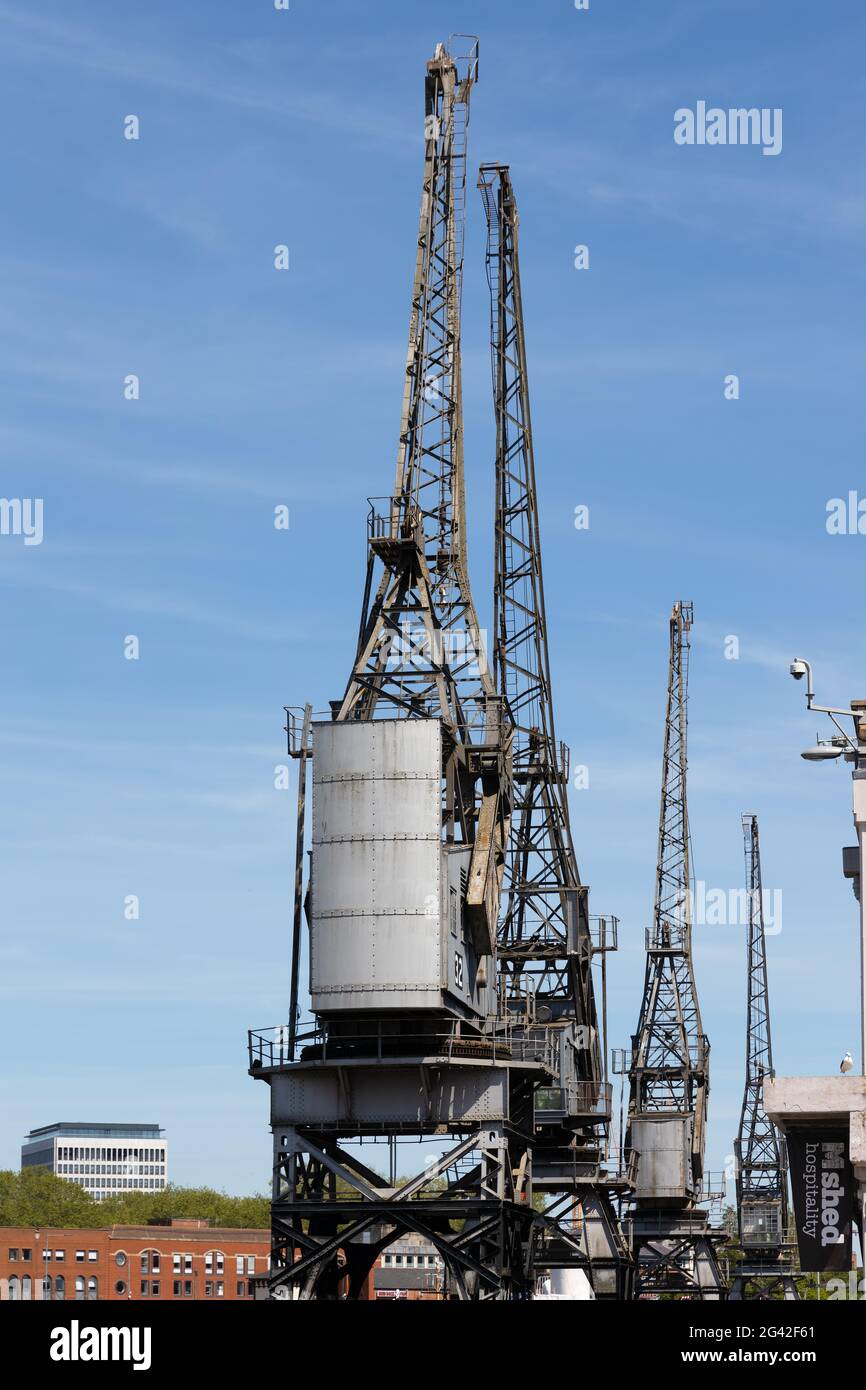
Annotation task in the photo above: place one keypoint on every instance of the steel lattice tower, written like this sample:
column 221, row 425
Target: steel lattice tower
column 762, row 1169
column 669, row 1072
column 545, row 944
column 670, row 1061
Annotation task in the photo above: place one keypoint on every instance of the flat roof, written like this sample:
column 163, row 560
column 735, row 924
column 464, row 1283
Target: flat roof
column 94, row 1128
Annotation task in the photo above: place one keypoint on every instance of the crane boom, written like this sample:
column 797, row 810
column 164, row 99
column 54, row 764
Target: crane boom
column 544, row 935
column 762, row 1184
column 670, row 1066
column 669, row 1072
column 420, row 646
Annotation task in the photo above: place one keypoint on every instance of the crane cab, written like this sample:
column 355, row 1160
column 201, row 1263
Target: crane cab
column 761, row 1224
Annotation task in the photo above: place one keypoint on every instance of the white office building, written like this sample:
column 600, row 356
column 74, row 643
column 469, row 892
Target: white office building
column 103, row 1159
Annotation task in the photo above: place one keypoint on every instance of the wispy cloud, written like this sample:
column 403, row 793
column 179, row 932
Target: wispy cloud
column 207, row 73
column 153, row 603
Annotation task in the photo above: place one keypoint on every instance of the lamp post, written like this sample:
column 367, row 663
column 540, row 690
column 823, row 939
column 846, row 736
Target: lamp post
column 853, row 750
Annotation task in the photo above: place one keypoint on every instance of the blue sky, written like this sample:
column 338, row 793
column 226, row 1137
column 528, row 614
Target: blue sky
column 155, row 257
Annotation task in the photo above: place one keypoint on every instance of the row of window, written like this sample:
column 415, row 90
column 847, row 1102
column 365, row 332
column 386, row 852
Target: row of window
column 66, row 1153
column 214, row 1263
column 76, row 1169
column 27, row 1255
column 214, row 1260
column 413, row 1261
column 102, row 1186
column 21, row 1290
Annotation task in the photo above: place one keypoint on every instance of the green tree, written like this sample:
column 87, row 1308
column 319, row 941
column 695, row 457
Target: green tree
column 35, row 1197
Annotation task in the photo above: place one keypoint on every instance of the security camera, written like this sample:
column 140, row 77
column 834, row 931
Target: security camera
column 798, row 669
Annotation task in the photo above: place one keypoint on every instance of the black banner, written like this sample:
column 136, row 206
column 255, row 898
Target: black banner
column 823, row 1186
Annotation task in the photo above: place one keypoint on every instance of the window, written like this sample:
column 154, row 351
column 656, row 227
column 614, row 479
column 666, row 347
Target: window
column 26, row 1254
column 154, row 1261
column 145, row 1288
column 119, row 1259
column 251, row 1264
column 239, row 1264
column 14, row 1293
column 59, row 1289
column 175, row 1260
column 208, row 1262
column 241, row 1289
column 13, row 1255
column 60, row 1254
column 177, row 1288
column 119, row 1287
column 46, row 1254
column 79, row 1257
column 208, row 1288
column 93, row 1255
column 26, row 1288
column 187, row 1288
column 220, row 1288
column 79, row 1287
column 154, row 1288
column 46, row 1286
column 187, row 1264
column 92, row 1288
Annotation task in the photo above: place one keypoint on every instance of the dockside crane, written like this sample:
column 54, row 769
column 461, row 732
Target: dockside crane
column 761, row 1157
column 669, row 1072
column 411, row 807
column 545, row 939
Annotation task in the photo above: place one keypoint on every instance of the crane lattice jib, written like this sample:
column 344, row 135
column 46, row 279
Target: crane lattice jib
column 420, row 649
column 760, row 1152
column 543, row 931
column 670, row 1062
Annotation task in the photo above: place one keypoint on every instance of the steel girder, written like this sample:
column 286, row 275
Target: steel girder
column 332, row 1216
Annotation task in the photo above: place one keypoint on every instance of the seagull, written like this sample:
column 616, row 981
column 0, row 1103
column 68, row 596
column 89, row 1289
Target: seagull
column 847, row 1062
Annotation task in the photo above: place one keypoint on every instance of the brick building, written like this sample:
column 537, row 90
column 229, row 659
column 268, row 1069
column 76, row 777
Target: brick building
column 183, row 1259
column 411, row 1268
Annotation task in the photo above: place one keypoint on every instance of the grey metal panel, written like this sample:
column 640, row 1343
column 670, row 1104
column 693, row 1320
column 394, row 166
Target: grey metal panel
column 664, row 1145
column 375, row 919
column 384, row 1094
column 401, row 1278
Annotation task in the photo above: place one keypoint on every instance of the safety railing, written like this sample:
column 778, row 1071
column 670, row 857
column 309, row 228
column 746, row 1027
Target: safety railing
column 604, row 932
column 623, row 1167
column 589, row 1098
column 294, row 729
column 713, row 1187
column 382, row 1041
